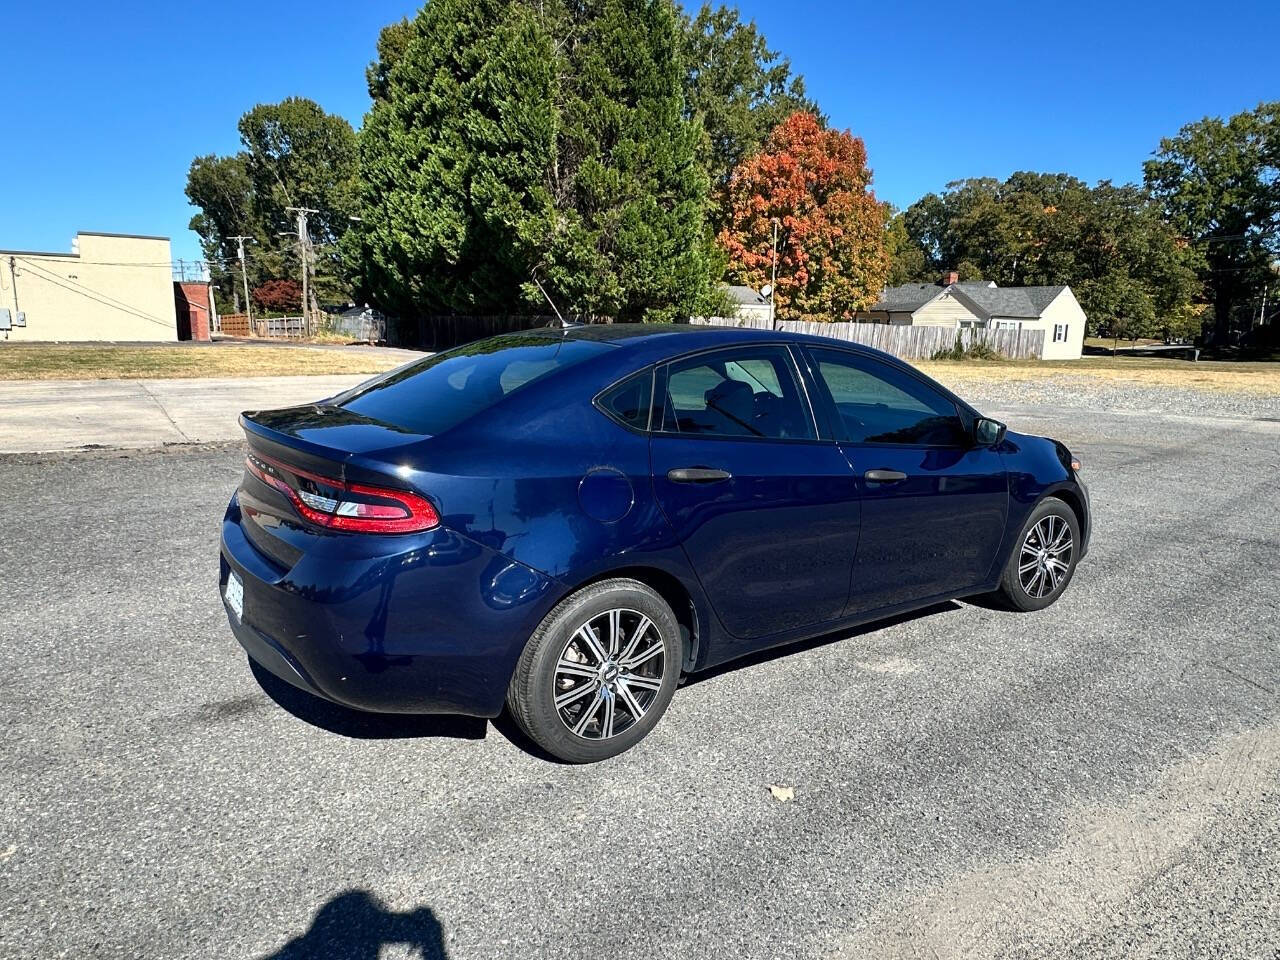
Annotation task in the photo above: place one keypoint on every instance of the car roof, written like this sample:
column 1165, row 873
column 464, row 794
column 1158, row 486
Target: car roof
column 654, row 342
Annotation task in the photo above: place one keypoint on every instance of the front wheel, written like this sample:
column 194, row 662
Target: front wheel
column 1044, row 558
column 598, row 673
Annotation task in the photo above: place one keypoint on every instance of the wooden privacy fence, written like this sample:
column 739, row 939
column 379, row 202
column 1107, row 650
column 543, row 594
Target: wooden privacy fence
column 909, row 343
column 238, row 325
column 233, row 324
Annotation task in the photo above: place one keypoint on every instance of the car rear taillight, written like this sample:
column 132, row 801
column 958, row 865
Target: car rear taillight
column 336, row 505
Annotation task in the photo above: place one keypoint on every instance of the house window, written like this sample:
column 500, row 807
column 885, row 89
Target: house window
column 1060, row 333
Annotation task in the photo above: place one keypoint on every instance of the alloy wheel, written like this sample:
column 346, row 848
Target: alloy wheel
column 1045, row 558
column 609, row 673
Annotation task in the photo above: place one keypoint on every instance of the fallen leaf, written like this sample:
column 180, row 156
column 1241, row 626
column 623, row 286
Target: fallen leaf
column 782, row 794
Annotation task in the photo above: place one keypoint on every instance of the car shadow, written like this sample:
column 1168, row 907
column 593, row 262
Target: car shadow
column 355, row 926
column 790, row 649
column 360, row 725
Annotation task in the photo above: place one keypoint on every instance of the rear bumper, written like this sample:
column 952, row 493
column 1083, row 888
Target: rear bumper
column 424, row 623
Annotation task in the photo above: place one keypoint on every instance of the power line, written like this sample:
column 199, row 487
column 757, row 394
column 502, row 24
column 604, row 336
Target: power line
column 90, row 294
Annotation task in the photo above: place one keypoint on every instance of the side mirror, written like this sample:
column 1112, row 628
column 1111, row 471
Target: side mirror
column 987, row 433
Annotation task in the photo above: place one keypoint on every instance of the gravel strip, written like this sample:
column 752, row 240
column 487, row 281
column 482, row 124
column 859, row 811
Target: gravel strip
column 1093, row 393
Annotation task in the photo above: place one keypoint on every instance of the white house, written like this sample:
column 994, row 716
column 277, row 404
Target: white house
column 981, row 303
column 749, row 304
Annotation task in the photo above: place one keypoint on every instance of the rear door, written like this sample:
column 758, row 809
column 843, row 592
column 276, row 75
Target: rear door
column 766, row 512
column 933, row 503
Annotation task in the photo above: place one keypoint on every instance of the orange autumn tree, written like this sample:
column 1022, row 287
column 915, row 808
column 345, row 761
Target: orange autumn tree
column 831, row 254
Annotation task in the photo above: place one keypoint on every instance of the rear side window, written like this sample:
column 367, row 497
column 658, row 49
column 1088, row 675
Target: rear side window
column 878, row 403
column 435, row 394
column 628, row 402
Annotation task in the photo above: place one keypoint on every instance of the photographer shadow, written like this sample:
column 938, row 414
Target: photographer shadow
column 355, row 926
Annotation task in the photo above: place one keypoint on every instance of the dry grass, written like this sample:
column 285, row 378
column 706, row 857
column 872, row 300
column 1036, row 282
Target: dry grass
column 20, row 361
column 1261, row 379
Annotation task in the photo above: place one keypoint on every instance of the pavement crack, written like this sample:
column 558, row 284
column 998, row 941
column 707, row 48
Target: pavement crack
column 1243, row 679
column 172, row 422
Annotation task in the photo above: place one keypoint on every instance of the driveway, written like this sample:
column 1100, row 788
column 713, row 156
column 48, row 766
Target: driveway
column 49, row 415
column 1095, row 780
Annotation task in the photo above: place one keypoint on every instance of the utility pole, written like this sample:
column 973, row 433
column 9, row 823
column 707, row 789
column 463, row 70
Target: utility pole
column 304, row 242
column 13, row 277
column 773, row 284
column 244, row 275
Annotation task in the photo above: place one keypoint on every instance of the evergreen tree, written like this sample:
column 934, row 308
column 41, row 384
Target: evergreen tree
column 453, row 159
column 736, row 87
column 511, row 139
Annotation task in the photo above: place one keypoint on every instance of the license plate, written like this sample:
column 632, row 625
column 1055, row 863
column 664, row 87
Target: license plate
column 235, row 595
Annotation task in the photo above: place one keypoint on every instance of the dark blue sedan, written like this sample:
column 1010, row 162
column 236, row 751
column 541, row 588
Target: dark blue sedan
column 563, row 522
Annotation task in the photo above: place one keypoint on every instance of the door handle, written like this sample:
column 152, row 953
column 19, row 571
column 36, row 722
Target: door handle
column 697, row 475
column 884, row 476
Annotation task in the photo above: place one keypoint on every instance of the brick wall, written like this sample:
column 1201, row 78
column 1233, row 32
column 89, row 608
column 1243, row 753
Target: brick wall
column 191, row 301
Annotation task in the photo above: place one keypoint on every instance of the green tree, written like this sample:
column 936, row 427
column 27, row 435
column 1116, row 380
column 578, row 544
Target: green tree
column 454, row 159
column 1110, row 244
column 295, row 155
column 519, row 139
column 907, row 260
column 393, row 41
column 220, row 188
column 628, row 239
column 1134, row 273
column 736, row 87
column 1219, row 182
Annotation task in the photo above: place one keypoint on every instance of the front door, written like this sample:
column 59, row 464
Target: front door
column 766, row 512
column 933, row 503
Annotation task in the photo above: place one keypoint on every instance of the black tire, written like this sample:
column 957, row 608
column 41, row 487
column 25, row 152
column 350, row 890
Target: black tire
column 560, row 643
column 1019, row 588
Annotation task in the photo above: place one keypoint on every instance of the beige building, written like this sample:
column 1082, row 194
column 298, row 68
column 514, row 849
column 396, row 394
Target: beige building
column 109, row 287
column 982, row 304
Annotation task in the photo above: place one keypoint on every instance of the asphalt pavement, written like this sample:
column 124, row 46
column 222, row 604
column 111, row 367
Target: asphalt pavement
column 1100, row 779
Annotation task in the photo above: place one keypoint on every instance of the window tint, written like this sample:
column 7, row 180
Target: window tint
column 880, row 404
column 438, row 393
column 628, row 402
column 739, row 393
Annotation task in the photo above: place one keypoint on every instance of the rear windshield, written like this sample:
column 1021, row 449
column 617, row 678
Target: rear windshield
column 438, row 393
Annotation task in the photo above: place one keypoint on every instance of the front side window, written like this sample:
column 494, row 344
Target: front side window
column 750, row 392
column 878, row 403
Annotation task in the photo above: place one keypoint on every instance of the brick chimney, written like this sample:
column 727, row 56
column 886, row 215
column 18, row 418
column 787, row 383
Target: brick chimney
column 950, row 277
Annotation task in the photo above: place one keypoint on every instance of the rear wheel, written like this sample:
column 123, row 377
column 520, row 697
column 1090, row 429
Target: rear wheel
column 1044, row 558
column 598, row 673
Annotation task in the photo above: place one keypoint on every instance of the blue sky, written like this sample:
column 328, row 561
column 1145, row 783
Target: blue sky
column 106, row 103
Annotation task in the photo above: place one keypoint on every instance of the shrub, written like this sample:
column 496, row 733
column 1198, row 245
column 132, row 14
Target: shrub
column 280, row 295
column 978, row 349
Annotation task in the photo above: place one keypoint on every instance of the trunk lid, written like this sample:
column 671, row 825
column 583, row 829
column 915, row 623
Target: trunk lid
column 308, row 464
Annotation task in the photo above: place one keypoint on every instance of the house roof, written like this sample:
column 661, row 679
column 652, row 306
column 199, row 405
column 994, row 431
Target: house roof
column 745, row 296
column 909, row 297
column 1023, row 302
column 1027, row 302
